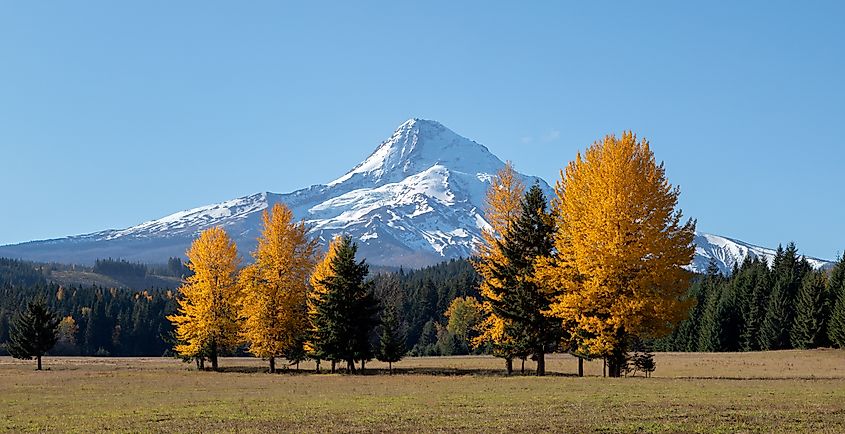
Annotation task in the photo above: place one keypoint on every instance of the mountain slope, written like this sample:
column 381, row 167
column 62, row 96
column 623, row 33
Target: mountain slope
column 416, row 200
column 729, row 252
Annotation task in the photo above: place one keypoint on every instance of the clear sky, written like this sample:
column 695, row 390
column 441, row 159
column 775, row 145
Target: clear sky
column 113, row 113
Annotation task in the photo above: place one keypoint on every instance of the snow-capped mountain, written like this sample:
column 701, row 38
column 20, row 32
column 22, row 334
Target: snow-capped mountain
column 729, row 252
column 416, row 200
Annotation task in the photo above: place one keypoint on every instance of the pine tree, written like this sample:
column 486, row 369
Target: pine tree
column 755, row 289
column 503, row 203
column 274, row 287
column 319, row 319
column 392, row 340
column 836, row 291
column 710, row 324
column 345, row 314
column 207, row 318
column 34, row 331
column 620, row 248
column 523, row 300
column 788, row 272
column 811, row 308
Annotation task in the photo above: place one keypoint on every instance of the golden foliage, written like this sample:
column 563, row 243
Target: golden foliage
column 274, row 287
column 503, row 208
column 464, row 315
column 620, row 246
column 207, row 314
column 322, row 270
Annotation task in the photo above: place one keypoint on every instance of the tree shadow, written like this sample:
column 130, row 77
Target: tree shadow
column 397, row 371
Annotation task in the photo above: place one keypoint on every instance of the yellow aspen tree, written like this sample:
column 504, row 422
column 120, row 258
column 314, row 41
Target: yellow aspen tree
column 207, row 316
column 620, row 249
column 503, row 208
column 274, row 286
column 317, row 291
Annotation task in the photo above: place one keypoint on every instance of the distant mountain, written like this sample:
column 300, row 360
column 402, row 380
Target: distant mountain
column 416, row 200
column 727, row 252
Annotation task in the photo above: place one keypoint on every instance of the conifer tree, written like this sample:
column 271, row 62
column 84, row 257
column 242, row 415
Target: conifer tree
column 522, row 299
column 788, row 271
column 345, row 314
column 710, row 324
column 811, row 309
column 392, row 340
column 275, row 285
column 754, row 286
column 836, row 291
column 318, row 315
column 207, row 317
column 503, row 203
column 34, row 332
column 620, row 248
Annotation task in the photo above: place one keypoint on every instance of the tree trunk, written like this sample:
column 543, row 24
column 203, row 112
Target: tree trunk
column 363, row 365
column 604, row 367
column 614, row 365
column 522, row 369
column 272, row 365
column 509, row 365
column 334, row 363
column 541, row 363
column 580, row 366
column 350, row 366
column 213, row 355
column 39, row 362
column 318, row 366
column 390, row 367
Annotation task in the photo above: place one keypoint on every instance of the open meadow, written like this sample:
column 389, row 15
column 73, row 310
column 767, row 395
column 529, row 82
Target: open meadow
column 784, row 391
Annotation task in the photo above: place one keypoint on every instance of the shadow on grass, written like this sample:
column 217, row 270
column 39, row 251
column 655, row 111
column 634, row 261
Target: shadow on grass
column 434, row 372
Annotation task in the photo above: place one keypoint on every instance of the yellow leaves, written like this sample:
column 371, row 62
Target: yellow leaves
column 207, row 312
column 322, row 271
column 503, row 208
column 273, row 307
column 620, row 247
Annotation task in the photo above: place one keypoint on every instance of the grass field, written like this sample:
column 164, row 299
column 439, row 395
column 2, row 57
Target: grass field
column 786, row 391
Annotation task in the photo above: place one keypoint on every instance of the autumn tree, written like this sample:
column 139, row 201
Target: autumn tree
column 67, row 331
column 317, row 344
column 34, row 331
column 503, row 205
column 274, row 287
column 344, row 314
column 206, row 321
column 463, row 317
column 523, row 300
column 620, row 249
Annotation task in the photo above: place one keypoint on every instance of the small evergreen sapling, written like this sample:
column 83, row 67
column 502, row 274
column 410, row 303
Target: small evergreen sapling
column 392, row 341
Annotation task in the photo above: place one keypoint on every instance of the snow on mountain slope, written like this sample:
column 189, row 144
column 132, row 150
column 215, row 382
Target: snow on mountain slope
column 416, row 200
column 729, row 252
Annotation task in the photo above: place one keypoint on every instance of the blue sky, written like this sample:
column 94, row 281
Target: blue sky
column 112, row 113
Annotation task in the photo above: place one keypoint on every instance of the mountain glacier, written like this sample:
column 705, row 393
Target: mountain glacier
column 416, row 200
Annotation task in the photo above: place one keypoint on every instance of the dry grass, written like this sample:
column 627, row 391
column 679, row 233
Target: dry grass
column 788, row 391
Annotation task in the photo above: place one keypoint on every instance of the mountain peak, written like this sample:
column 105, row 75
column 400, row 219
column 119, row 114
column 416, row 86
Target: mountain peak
column 418, row 144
